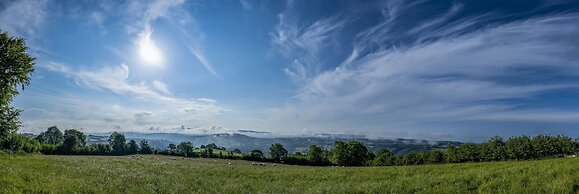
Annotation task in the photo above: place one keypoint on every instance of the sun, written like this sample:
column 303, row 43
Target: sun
column 149, row 52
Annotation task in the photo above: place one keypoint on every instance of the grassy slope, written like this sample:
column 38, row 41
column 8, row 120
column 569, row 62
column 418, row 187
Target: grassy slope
column 58, row 174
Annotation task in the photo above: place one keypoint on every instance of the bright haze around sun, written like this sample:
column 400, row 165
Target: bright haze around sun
column 426, row 69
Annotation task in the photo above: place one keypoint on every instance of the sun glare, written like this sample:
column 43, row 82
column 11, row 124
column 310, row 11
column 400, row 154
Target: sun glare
column 149, row 51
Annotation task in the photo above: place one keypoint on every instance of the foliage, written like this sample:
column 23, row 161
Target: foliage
column 316, row 156
column 172, row 147
column 277, row 152
column 49, row 149
column 519, row 148
column 8, row 121
column 20, row 144
column 339, row 154
column 52, row 135
column 493, row 149
column 185, row 148
column 73, row 139
column 145, row 147
column 384, row 157
column 256, row 155
column 16, row 66
column 357, row 154
column 80, row 136
column 132, row 147
column 117, row 143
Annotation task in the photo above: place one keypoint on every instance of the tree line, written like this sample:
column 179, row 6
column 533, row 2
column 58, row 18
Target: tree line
column 351, row 153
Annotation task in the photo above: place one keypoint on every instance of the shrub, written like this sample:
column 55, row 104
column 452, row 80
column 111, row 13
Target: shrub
column 49, row 149
column 18, row 143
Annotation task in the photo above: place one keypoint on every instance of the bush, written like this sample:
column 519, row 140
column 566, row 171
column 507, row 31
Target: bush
column 17, row 143
column 49, row 149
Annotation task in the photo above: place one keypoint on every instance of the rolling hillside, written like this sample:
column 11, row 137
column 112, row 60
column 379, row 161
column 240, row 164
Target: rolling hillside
column 247, row 143
column 162, row 174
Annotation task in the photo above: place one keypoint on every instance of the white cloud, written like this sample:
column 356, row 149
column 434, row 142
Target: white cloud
column 181, row 19
column 161, row 87
column 24, row 18
column 456, row 75
column 246, row 4
column 305, row 42
column 116, row 80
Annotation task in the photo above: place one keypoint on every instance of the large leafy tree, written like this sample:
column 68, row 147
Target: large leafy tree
column 316, row 155
column 494, row 149
column 277, row 151
column 519, row 148
column 72, row 139
column 145, row 147
column 132, row 147
column 52, row 135
column 172, row 147
column 78, row 134
column 384, row 157
column 117, row 143
column 340, row 153
column 16, row 66
column 357, row 154
column 185, row 148
column 256, row 154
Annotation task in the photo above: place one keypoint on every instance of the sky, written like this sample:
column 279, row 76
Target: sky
column 426, row 69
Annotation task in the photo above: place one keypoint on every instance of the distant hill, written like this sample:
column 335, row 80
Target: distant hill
column 293, row 144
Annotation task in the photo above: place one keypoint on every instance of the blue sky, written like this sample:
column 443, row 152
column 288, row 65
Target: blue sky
column 460, row 70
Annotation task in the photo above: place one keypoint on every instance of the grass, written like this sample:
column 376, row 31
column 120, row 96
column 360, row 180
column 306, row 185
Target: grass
column 161, row 174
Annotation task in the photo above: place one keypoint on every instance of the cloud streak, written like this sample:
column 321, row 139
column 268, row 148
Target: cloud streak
column 23, row 18
column 166, row 109
column 445, row 71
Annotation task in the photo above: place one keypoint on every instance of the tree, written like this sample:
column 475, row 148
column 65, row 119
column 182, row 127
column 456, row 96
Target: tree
column 20, row 143
column 565, row 144
column 453, row 155
column 236, row 151
column 185, row 148
column 132, row 147
column 435, row 157
column 316, row 155
column 357, row 154
column 384, row 157
column 339, row 153
column 277, row 152
column 117, row 143
column 256, row 155
column 519, row 148
column 493, row 149
column 52, row 135
column 145, row 147
column 80, row 135
column 16, row 66
column 101, row 149
column 172, row 147
column 72, row 139
column 470, row 152
column 212, row 146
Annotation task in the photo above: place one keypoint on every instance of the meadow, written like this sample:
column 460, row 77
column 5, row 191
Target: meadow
column 35, row 173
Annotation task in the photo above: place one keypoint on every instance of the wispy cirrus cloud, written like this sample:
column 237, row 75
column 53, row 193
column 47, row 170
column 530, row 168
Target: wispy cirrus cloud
column 116, row 80
column 23, row 18
column 172, row 12
column 305, row 44
column 443, row 69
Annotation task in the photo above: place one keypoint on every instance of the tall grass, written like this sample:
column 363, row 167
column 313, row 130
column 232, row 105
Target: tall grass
column 161, row 174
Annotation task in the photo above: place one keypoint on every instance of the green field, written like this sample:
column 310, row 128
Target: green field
column 161, row 174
